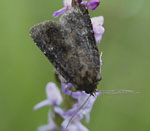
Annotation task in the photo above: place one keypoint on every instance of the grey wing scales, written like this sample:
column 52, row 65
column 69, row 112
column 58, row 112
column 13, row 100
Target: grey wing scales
column 70, row 46
column 51, row 37
column 78, row 23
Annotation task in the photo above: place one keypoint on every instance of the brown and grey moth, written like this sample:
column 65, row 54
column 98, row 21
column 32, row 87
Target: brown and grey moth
column 71, row 47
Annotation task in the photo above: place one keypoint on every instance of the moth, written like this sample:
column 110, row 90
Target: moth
column 71, row 47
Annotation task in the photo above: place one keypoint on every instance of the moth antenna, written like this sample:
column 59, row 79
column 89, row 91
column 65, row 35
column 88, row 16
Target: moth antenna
column 78, row 111
column 118, row 91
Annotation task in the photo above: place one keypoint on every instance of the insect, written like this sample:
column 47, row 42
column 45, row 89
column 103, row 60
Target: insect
column 71, row 47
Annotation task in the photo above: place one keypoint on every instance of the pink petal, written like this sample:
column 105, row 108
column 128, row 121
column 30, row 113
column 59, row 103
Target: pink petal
column 92, row 5
column 41, row 104
column 99, row 20
column 53, row 93
column 67, row 3
column 84, row 2
column 59, row 12
column 51, row 126
column 98, row 29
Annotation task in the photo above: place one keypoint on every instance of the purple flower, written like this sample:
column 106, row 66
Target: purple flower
column 72, row 116
column 60, row 11
column 83, row 97
column 92, row 5
column 75, row 124
column 65, row 88
column 53, row 96
column 67, row 5
column 97, row 22
column 51, row 126
column 98, row 29
column 84, row 100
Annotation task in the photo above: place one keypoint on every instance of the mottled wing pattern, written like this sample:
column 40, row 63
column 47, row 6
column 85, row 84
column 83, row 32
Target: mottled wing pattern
column 77, row 21
column 70, row 46
column 51, row 38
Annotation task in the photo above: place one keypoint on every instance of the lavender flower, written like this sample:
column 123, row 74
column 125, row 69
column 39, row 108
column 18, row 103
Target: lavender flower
column 92, row 5
column 53, row 96
column 81, row 97
column 51, row 126
column 75, row 124
column 74, row 115
column 97, row 22
column 98, row 29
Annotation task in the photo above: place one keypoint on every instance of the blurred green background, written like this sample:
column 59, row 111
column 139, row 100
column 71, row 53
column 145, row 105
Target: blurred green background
column 24, row 70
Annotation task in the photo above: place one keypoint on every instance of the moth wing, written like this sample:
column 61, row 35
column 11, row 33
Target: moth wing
column 52, row 38
column 78, row 23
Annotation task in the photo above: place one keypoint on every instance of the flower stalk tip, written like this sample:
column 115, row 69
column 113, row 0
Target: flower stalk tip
column 72, row 116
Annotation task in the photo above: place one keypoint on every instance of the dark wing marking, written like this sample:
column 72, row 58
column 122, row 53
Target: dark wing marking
column 51, row 38
column 70, row 46
column 78, row 23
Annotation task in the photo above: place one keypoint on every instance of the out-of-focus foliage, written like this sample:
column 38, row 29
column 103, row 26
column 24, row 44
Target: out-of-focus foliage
column 24, row 70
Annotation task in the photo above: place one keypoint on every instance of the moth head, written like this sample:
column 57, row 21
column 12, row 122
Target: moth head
column 89, row 86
